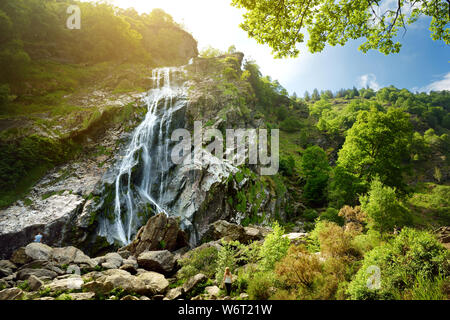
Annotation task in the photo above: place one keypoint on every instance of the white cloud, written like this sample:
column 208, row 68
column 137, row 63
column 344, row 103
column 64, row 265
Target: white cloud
column 440, row 85
column 369, row 80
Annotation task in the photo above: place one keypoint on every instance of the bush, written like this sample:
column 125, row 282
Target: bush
column 287, row 166
column 344, row 187
column 260, row 286
column 383, row 209
column 199, row 261
column 315, row 189
column 332, row 214
column 298, row 267
column 290, row 125
column 332, row 240
column 410, row 260
column 310, row 215
column 274, row 248
column 315, row 168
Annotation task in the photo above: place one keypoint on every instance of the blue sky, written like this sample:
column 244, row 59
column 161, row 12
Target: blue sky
column 421, row 65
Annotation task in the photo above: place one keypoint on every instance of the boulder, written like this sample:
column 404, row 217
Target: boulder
column 38, row 251
column 5, row 272
column 131, row 268
column 42, row 264
column 82, row 296
column 115, row 278
column 110, row 261
column 160, row 232
column 71, row 283
column 34, row 283
column 155, row 282
column 125, row 254
column 37, row 264
column 11, row 294
column 19, row 257
column 193, row 282
column 244, row 296
column 296, row 238
column 24, row 274
column 213, row 291
column 231, row 232
column 71, row 255
column 130, row 298
column 228, row 231
column 253, row 234
column 7, row 265
column 160, row 261
column 175, row 293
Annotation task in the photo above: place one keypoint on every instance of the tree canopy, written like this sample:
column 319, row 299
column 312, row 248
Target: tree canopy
column 378, row 144
column 282, row 24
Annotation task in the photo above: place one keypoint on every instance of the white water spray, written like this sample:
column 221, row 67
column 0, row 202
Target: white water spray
column 149, row 153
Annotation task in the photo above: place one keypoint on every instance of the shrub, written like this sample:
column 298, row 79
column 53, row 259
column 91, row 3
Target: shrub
column 298, row 267
column 344, row 187
column 314, row 191
column 64, row 296
column 315, row 168
column 199, row 261
column 383, row 209
column 332, row 214
column 287, row 166
column 310, row 215
column 368, row 241
column 291, row 125
column 332, row 240
column 260, row 286
column 406, row 263
column 242, row 280
column 274, row 248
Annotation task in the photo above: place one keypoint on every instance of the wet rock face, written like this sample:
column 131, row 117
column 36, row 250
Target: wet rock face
column 19, row 225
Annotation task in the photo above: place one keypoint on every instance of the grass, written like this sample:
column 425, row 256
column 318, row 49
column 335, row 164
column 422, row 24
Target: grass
column 430, row 205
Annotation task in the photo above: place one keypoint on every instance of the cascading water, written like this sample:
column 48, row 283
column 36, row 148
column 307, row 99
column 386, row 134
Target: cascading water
column 141, row 173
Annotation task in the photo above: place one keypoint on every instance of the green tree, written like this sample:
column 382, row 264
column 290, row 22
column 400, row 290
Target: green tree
column 226, row 258
column 315, row 168
column 384, row 210
column 274, row 248
column 210, row 52
column 378, row 144
column 282, row 24
column 315, row 95
column 307, row 96
column 344, row 187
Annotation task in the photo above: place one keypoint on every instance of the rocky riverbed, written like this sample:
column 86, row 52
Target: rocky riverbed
column 146, row 269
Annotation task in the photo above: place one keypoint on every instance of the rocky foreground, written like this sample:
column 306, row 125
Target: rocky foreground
column 144, row 270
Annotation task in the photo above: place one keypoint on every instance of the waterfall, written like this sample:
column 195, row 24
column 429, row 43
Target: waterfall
column 141, row 172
